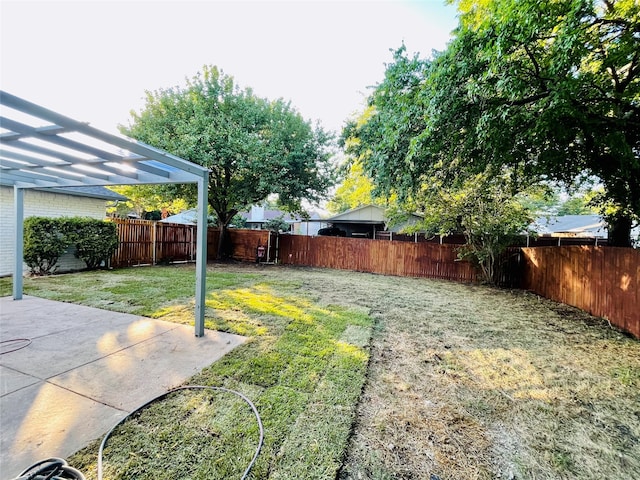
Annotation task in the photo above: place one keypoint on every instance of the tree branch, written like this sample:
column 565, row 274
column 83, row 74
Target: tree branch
column 634, row 69
column 536, row 65
column 522, row 101
column 616, row 80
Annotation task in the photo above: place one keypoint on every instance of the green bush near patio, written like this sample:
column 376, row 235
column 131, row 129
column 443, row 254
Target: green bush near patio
column 47, row 239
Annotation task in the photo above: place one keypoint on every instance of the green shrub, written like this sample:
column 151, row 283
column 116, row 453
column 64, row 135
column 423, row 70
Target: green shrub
column 46, row 239
column 44, row 242
column 95, row 240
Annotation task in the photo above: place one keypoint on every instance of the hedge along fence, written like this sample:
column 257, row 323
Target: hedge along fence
column 47, row 239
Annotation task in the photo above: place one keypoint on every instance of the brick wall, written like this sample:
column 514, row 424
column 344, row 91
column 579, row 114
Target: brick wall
column 43, row 204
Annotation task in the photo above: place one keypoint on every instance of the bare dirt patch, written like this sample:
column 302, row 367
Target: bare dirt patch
column 471, row 382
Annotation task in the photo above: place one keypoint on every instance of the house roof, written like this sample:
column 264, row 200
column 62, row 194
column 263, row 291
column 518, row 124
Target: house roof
column 258, row 215
column 186, row 217
column 102, row 193
column 573, row 225
column 368, row 214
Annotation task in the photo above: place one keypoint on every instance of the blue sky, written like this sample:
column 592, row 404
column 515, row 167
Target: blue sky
column 93, row 60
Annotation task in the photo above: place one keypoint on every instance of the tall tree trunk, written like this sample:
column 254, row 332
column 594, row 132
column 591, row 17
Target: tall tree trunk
column 221, row 240
column 224, row 219
column 619, row 231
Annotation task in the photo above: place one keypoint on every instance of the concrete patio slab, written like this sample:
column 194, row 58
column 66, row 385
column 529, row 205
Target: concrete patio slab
column 11, row 380
column 83, row 371
column 44, row 420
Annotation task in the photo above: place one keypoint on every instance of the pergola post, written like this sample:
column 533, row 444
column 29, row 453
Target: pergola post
column 201, row 253
column 18, row 206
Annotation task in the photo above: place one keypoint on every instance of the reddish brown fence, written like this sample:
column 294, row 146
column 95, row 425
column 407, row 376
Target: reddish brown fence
column 135, row 245
column 242, row 244
column 390, row 258
column 604, row 281
column 143, row 242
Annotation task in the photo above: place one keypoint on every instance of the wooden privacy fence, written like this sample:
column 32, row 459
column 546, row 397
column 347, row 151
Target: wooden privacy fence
column 144, row 242
column 389, row 258
column 242, row 244
column 603, row 281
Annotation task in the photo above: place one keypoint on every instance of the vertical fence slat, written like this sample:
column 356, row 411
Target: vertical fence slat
column 603, row 281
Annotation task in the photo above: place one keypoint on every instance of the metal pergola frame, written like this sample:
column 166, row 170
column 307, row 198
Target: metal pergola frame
column 40, row 148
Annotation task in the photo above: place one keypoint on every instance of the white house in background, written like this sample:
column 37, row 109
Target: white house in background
column 367, row 220
column 591, row 226
column 50, row 202
column 259, row 215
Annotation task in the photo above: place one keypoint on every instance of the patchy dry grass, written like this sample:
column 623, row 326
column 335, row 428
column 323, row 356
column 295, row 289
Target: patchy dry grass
column 463, row 382
column 470, row 382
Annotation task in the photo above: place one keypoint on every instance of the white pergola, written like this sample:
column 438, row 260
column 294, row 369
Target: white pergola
column 40, row 148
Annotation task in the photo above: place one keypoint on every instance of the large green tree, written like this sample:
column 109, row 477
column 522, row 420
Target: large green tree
column 481, row 206
column 252, row 147
column 549, row 89
column 382, row 137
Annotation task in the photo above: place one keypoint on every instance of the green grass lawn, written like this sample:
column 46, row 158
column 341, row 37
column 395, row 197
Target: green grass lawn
column 462, row 381
column 304, row 368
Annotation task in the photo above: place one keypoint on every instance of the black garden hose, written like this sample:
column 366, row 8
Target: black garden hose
column 51, row 469
column 190, row 387
column 59, row 469
column 13, row 345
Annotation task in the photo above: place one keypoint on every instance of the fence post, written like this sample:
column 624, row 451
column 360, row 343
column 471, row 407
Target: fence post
column 153, row 243
column 193, row 241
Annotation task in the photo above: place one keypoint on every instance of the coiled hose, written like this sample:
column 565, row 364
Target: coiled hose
column 51, row 469
column 58, row 469
column 190, row 387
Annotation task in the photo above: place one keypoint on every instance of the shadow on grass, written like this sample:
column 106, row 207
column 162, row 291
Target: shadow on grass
column 304, row 369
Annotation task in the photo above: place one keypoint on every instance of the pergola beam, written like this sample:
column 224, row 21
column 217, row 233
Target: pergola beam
column 24, row 164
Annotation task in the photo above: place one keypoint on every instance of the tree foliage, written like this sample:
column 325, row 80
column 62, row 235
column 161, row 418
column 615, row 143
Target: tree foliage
column 277, row 224
column 483, row 209
column 481, row 205
column 142, row 199
column 356, row 190
column 539, row 91
column 381, row 138
column 253, row 147
column 551, row 89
